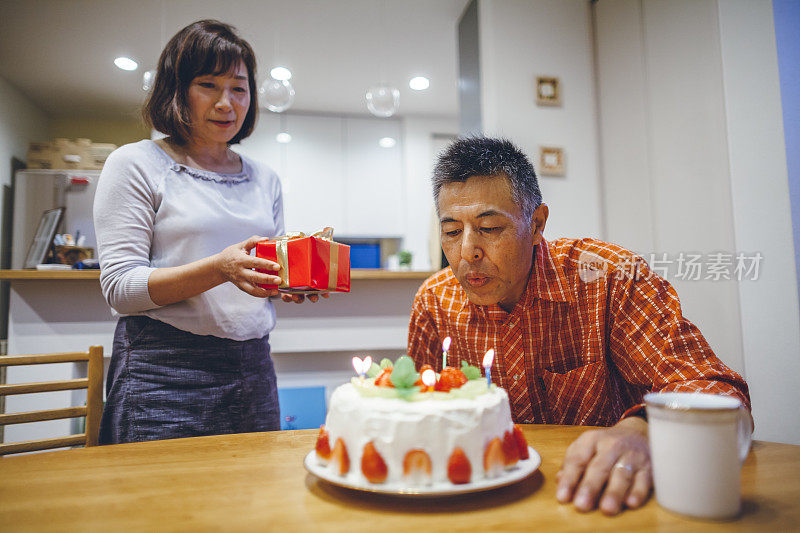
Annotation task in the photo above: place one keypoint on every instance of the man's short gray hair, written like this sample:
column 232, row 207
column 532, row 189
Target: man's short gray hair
column 485, row 156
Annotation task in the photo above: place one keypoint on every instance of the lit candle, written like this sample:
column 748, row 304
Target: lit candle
column 487, row 365
column 429, row 378
column 445, row 347
column 362, row 366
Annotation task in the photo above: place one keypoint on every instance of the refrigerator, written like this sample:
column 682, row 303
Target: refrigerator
column 36, row 192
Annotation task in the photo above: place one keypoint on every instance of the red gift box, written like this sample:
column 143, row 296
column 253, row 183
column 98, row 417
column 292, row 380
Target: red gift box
column 308, row 262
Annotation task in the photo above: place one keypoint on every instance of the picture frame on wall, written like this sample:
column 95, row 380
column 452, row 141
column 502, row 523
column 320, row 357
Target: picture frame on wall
column 548, row 91
column 45, row 232
column 551, row 161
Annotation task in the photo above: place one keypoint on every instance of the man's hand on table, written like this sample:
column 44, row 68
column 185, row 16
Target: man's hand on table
column 610, row 466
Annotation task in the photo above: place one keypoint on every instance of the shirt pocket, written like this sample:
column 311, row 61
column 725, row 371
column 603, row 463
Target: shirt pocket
column 578, row 396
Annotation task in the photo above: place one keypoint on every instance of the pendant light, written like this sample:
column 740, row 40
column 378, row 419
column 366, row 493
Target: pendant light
column 148, row 79
column 149, row 76
column 383, row 99
column 276, row 92
column 276, row 95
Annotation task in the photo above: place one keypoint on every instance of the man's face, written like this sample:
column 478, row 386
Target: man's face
column 487, row 240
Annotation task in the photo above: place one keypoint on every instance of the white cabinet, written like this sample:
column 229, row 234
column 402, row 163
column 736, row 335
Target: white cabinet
column 334, row 172
column 375, row 192
column 262, row 145
column 314, row 192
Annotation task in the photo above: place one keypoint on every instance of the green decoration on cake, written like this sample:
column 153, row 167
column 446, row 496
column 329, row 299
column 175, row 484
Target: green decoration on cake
column 386, row 363
column 472, row 372
column 404, row 374
column 373, row 371
column 407, row 394
column 470, row 390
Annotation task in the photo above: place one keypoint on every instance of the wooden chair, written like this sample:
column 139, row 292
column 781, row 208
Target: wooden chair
column 92, row 411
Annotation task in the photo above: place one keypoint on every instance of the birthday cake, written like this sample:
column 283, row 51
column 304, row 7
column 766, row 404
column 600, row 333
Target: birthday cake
column 393, row 427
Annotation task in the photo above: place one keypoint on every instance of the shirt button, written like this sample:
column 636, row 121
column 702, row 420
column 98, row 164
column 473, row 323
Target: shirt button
column 516, row 377
column 176, row 167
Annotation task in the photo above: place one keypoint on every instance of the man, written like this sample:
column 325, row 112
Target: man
column 581, row 328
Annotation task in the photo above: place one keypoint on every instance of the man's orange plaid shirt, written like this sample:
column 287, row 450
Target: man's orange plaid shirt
column 593, row 332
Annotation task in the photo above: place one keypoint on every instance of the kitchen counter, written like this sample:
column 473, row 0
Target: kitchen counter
column 46, row 314
column 355, row 274
column 312, row 344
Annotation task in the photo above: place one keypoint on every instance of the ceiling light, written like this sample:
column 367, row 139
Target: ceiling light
column 387, row 142
column 281, row 73
column 283, row 137
column 126, row 63
column 420, row 83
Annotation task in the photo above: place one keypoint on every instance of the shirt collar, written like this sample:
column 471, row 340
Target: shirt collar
column 547, row 282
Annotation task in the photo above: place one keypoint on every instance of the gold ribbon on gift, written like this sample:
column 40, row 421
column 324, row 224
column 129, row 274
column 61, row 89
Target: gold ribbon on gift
column 333, row 257
column 282, row 251
column 325, row 233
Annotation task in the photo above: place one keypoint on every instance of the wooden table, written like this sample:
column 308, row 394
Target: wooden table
column 256, row 482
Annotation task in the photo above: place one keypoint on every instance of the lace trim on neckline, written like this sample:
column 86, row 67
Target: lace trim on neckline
column 208, row 175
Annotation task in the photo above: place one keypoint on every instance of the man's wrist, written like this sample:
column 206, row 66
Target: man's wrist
column 639, row 414
column 634, row 422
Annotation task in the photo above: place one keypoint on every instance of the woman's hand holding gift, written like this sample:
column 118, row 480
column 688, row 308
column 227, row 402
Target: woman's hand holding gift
column 299, row 298
column 235, row 264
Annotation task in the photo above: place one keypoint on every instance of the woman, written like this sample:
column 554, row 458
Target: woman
column 191, row 353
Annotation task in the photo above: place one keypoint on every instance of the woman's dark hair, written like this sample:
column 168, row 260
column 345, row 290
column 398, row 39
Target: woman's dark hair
column 204, row 47
column 484, row 156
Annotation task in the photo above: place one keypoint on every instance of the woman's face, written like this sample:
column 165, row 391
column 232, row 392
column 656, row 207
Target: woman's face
column 219, row 105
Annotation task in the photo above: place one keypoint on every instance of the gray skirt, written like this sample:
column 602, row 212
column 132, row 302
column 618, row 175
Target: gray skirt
column 166, row 383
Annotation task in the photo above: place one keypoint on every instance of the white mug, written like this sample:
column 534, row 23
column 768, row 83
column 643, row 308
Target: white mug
column 697, row 445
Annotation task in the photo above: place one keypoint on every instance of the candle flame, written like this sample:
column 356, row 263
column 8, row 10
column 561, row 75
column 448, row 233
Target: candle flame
column 446, row 343
column 429, row 377
column 488, row 358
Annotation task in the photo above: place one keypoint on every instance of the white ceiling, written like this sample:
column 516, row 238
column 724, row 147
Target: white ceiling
column 60, row 53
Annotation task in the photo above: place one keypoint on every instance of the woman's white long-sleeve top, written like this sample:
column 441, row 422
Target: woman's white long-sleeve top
column 151, row 212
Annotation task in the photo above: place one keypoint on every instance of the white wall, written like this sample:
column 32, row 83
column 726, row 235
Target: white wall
column 520, row 39
column 20, row 123
column 623, row 121
column 692, row 161
column 664, row 150
column 762, row 215
column 419, row 147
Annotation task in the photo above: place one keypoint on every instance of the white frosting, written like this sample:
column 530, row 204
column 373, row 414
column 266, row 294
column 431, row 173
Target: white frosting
column 396, row 426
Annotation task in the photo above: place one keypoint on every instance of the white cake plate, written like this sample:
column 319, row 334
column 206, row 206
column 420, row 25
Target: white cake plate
column 522, row 470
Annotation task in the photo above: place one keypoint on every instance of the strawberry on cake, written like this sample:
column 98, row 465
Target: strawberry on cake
column 393, row 428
